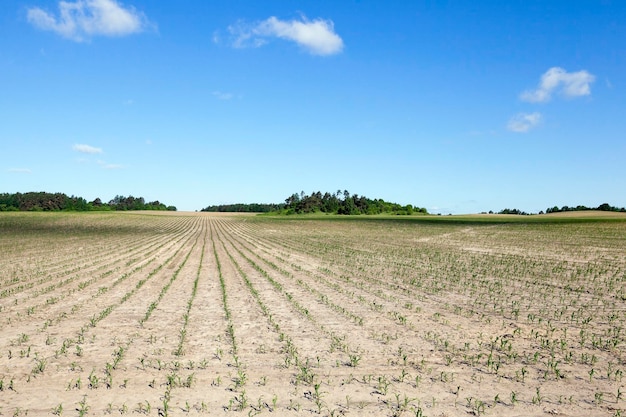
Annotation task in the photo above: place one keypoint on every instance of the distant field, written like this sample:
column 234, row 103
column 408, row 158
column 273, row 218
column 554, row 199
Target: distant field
column 195, row 313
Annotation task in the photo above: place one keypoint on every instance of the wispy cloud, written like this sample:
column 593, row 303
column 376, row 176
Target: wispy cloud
column 82, row 19
column 107, row 165
column 20, row 170
column 82, row 148
column 222, row 96
column 317, row 36
column 523, row 122
column 557, row 80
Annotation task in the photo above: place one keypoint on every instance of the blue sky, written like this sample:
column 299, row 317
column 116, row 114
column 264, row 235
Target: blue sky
column 456, row 106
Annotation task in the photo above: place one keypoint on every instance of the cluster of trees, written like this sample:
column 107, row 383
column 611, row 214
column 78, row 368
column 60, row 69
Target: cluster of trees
column 42, row 201
column 513, row 211
column 556, row 209
column 344, row 203
column 341, row 202
column 136, row 203
column 601, row 207
column 245, row 208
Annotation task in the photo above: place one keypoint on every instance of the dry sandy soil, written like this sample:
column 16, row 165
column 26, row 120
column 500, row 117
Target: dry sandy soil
column 195, row 313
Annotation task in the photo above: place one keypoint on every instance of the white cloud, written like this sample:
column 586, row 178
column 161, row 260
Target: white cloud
column 20, row 170
column 222, row 96
column 106, row 165
column 86, row 149
column 216, row 37
column 318, row 36
column 82, row 19
column 569, row 84
column 523, row 122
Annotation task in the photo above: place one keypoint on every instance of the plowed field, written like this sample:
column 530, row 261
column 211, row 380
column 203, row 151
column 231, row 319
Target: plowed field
column 177, row 314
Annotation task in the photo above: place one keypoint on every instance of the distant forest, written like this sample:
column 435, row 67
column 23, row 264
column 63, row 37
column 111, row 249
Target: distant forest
column 341, row 202
column 41, row 201
column 555, row 209
column 244, row 208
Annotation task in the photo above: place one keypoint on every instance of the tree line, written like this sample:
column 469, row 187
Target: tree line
column 42, row 201
column 556, row 209
column 340, row 202
column 601, row 207
column 244, row 208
